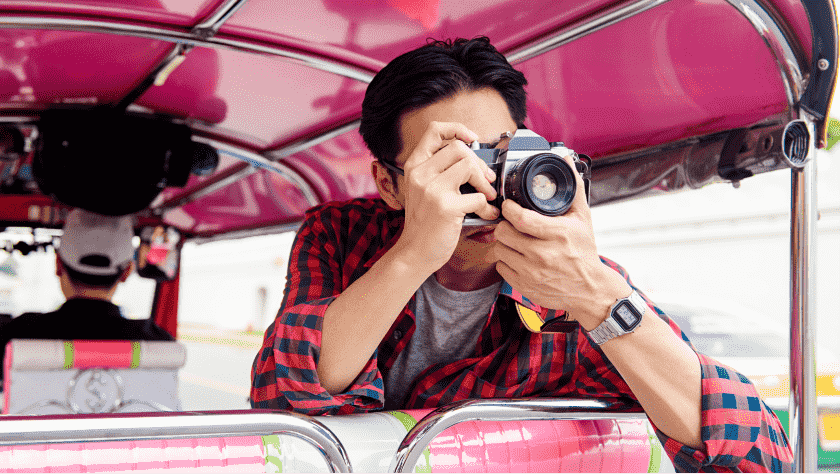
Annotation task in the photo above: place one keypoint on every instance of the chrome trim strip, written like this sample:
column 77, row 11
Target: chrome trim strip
column 244, row 234
column 774, row 37
column 177, row 36
column 255, row 162
column 412, row 446
column 203, row 191
column 573, row 33
column 174, row 55
column 803, row 391
column 213, row 23
column 259, row 161
column 292, row 148
column 23, row 430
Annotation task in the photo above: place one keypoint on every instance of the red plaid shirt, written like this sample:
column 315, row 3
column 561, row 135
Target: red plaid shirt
column 338, row 243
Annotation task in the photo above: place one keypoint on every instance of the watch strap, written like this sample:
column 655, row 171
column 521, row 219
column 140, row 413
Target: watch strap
column 609, row 329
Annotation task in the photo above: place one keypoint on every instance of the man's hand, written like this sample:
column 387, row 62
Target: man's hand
column 434, row 207
column 553, row 261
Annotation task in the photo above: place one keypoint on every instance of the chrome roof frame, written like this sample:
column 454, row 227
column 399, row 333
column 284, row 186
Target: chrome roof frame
column 574, row 32
column 767, row 27
column 189, row 38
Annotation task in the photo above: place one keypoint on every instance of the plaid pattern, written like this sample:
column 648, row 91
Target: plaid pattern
column 338, row 243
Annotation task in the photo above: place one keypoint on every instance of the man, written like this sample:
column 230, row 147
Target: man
column 95, row 256
column 392, row 303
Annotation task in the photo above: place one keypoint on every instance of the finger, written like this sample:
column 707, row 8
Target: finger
column 449, row 155
column 435, row 136
column 529, row 222
column 476, row 203
column 508, row 273
column 469, row 170
column 509, row 256
column 507, row 234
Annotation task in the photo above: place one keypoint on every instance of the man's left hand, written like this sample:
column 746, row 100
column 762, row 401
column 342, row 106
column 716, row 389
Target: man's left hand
column 553, row 261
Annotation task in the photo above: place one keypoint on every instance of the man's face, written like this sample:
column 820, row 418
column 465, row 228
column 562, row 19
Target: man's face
column 484, row 112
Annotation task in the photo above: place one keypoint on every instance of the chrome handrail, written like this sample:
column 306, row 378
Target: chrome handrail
column 23, row 430
column 436, row 422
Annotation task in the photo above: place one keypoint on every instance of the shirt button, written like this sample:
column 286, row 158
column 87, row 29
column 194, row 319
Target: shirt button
column 397, row 335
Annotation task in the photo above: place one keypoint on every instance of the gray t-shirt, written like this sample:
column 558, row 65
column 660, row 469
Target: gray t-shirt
column 448, row 324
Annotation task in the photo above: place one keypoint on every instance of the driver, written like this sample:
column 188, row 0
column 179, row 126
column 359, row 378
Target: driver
column 391, row 303
column 94, row 258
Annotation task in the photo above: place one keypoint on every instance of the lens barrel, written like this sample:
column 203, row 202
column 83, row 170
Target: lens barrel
column 544, row 183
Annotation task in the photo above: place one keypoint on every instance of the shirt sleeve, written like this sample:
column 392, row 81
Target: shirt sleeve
column 740, row 433
column 284, row 371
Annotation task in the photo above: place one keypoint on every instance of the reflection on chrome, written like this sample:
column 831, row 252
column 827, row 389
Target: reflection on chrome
column 436, row 422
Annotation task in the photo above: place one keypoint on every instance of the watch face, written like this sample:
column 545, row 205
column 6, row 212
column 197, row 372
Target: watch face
column 626, row 316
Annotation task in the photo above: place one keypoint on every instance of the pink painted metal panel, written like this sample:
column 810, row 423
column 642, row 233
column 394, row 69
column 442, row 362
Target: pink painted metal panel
column 176, row 12
column 793, row 13
column 87, row 354
column 707, row 71
column 542, row 446
column 338, row 169
column 261, row 100
column 43, row 68
column 233, row 454
column 371, row 33
column 262, row 199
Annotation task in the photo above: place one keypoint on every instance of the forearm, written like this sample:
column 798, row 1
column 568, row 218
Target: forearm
column 358, row 319
column 662, row 371
column 664, row 375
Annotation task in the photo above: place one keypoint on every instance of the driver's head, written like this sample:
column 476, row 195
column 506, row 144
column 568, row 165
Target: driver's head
column 429, row 74
column 96, row 250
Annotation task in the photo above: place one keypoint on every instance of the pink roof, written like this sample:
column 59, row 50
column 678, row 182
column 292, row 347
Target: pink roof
column 280, row 72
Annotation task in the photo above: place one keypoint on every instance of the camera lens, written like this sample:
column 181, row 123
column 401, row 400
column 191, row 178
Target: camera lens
column 544, row 183
column 544, row 186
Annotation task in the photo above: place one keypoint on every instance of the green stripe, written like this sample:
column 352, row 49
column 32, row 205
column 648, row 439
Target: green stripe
column 135, row 354
column 655, row 450
column 68, row 355
column 409, row 422
column 271, row 448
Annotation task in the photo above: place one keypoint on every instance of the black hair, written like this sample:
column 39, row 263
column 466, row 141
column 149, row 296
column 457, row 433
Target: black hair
column 102, row 282
column 429, row 74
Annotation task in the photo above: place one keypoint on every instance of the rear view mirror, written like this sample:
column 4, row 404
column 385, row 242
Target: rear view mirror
column 159, row 254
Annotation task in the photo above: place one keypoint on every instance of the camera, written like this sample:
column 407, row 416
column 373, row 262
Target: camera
column 531, row 171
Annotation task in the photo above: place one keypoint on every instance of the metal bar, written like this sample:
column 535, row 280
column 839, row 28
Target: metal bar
column 246, row 233
column 203, row 189
column 213, row 23
column 178, row 36
column 259, row 161
column 292, row 148
column 175, row 57
column 803, row 392
column 576, row 32
column 436, row 422
column 23, row 430
column 774, row 37
column 255, row 161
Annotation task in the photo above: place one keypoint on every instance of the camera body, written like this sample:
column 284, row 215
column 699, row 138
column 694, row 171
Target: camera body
column 532, row 172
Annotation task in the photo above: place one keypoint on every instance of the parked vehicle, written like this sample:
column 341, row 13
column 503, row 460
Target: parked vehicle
column 219, row 119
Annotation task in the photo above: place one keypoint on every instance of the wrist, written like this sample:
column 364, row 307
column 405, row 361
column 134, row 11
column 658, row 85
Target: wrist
column 613, row 287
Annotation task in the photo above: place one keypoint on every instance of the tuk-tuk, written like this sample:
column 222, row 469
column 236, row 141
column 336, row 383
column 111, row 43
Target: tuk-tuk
column 220, row 119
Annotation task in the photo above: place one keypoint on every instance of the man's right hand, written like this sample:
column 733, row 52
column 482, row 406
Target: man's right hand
column 434, row 207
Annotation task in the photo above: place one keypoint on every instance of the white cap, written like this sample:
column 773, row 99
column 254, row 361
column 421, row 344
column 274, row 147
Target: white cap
column 94, row 244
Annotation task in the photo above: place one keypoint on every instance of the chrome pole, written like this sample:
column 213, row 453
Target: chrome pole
column 21, row 430
column 803, row 395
